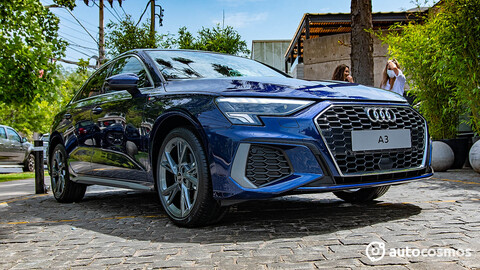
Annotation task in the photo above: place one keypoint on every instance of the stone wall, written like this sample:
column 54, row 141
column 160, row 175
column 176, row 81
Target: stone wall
column 323, row 54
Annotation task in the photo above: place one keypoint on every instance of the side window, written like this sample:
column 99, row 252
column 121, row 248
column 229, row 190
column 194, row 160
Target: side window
column 12, row 135
column 3, row 135
column 94, row 86
column 131, row 65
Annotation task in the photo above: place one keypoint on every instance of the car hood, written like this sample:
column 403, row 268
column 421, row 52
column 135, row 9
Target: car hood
column 283, row 87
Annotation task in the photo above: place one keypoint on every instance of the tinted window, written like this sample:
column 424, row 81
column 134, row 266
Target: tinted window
column 12, row 135
column 3, row 135
column 131, row 65
column 94, row 86
column 188, row 65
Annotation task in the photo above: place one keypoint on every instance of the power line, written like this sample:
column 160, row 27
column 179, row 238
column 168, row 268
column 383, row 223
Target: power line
column 83, row 47
column 141, row 16
column 75, row 37
column 71, row 42
column 63, row 18
column 105, row 6
column 86, row 22
column 76, row 30
column 77, row 22
column 123, row 11
column 79, row 51
column 115, row 10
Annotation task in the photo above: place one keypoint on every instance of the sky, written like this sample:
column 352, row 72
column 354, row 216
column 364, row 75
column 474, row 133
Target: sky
column 253, row 19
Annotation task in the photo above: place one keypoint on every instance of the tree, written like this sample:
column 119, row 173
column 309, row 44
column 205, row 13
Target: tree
column 28, row 74
column 28, row 43
column 38, row 116
column 362, row 42
column 126, row 35
column 215, row 39
column 440, row 59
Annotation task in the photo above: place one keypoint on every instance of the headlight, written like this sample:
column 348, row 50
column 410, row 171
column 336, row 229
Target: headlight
column 246, row 110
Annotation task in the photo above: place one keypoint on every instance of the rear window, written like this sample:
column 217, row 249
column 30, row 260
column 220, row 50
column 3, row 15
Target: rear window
column 191, row 65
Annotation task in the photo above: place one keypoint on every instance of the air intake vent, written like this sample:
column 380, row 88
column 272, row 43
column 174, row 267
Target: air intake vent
column 266, row 165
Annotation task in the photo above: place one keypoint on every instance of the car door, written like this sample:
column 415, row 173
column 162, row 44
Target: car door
column 80, row 134
column 118, row 119
column 14, row 144
column 4, row 153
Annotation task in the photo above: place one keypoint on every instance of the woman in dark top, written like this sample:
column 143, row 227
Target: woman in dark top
column 342, row 73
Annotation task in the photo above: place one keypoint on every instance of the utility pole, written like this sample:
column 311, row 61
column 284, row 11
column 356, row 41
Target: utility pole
column 152, row 19
column 101, row 35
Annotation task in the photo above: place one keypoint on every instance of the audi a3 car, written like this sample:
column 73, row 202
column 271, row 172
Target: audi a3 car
column 208, row 130
column 15, row 150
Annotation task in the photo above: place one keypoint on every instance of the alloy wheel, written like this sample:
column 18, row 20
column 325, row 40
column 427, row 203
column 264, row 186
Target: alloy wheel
column 31, row 163
column 59, row 172
column 178, row 178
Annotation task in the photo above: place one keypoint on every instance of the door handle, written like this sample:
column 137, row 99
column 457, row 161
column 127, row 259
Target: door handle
column 67, row 116
column 97, row 110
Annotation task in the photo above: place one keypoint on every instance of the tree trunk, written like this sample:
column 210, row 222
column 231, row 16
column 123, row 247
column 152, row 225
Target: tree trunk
column 362, row 42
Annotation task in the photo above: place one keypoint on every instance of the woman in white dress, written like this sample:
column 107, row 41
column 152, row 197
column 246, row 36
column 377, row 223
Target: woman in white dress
column 393, row 78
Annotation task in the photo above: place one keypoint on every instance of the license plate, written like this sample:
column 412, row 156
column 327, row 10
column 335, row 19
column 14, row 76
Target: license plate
column 366, row 140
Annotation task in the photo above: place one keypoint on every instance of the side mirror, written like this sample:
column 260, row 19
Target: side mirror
column 126, row 81
column 24, row 140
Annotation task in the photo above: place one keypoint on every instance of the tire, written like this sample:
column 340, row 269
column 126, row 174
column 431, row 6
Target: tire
column 183, row 181
column 29, row 164
column 362, row 195
column 64, row 190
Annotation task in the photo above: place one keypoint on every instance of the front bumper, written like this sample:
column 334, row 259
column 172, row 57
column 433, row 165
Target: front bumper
column 240, row 173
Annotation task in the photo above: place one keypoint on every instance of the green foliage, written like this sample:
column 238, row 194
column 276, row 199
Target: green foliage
column 215, row 39
column 38, row 116
column 440, row 58
column 126, row 35
column 70, row 4
column 28, row 42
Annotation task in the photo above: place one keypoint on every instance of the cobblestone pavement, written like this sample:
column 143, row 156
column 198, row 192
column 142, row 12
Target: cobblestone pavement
column 121, row 229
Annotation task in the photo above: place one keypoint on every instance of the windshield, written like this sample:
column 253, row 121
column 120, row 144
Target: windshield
column 191, row 65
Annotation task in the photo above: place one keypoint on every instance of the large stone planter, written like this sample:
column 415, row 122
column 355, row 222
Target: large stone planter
column 442, row 156
column 460, row 151
column 474, row 156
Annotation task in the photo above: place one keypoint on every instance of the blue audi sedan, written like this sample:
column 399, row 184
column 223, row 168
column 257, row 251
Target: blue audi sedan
column 207, row 130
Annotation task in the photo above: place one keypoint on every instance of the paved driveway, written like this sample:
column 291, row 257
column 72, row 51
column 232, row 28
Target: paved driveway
column 432, row 224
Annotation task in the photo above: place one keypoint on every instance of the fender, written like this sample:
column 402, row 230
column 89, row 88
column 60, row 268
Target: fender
column 177, row 112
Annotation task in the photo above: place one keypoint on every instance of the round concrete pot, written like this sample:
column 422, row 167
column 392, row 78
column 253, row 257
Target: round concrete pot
column 474, row 156
column 442, row 156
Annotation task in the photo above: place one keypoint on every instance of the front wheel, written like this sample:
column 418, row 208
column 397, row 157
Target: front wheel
column 362, row 195
column 64, row 190
column 183, row 181
column 29, row 165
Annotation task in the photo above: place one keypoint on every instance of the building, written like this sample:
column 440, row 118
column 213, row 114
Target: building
column 270, row 52
column 322, row 41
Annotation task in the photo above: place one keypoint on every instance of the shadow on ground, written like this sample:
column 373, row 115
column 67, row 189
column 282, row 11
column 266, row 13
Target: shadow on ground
column 136, row 215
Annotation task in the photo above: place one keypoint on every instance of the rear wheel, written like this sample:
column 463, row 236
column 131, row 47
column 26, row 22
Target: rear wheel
column 183, row 181
column 362, row 195
column 29, row 165
column 64, row 190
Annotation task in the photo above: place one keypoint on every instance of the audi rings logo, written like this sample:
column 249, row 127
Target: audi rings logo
column 381, row 114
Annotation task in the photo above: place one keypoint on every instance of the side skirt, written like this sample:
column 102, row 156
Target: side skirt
column 89, row 180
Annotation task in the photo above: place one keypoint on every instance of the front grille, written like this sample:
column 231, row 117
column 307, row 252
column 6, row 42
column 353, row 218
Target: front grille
column 266, row 164
column 337, row 123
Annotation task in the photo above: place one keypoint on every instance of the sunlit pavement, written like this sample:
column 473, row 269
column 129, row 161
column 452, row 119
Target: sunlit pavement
column 435, row 223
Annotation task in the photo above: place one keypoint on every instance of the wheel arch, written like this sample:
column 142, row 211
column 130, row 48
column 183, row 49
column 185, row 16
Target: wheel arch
column 166, row 123
column 55, row 138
